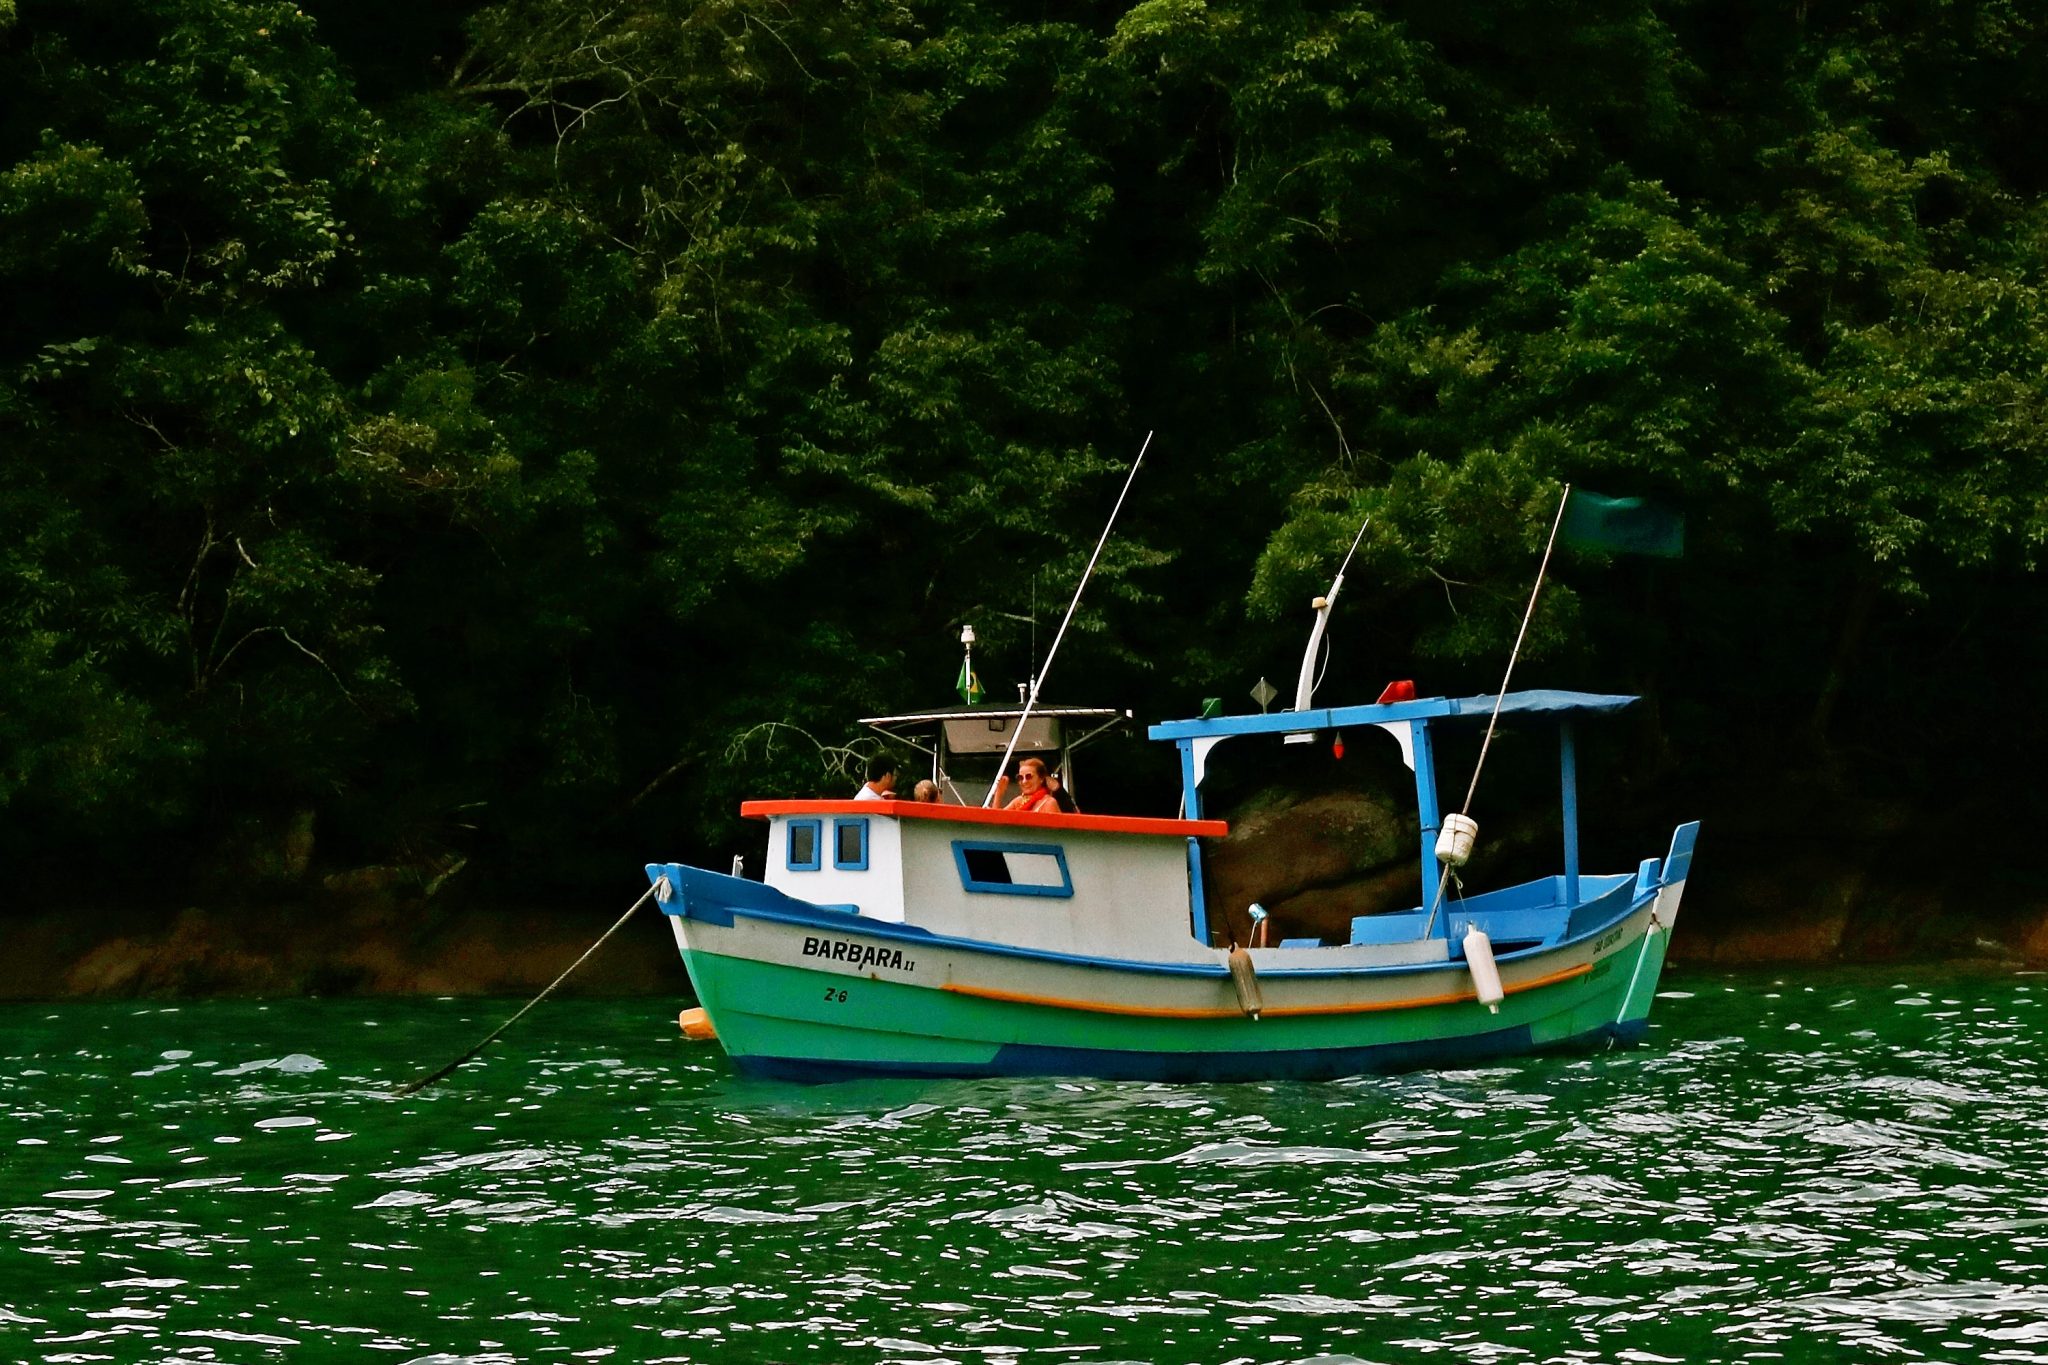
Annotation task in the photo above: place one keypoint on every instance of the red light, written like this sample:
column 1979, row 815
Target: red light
column 1403, row 690
column 1337, row 747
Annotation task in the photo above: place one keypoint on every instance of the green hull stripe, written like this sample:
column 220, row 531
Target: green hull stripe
column 769, row 1010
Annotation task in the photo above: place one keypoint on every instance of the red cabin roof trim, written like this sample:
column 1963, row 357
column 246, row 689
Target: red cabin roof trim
column 975, row 815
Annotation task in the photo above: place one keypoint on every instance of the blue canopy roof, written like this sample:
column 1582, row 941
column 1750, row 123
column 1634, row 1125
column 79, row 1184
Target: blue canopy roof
column 1543, row 702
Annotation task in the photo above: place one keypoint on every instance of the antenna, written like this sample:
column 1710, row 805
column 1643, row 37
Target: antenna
column 1079, row 588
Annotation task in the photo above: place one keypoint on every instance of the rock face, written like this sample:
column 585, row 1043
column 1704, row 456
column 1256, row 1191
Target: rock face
column 1318, row 860
column 1868, row 888
column 1313, row 861
column 327, row 949
column 1780, row 900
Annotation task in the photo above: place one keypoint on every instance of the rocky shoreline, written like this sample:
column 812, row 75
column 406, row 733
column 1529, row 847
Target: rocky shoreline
column 1731, row 920
column 1872, row 889
column 309, row 950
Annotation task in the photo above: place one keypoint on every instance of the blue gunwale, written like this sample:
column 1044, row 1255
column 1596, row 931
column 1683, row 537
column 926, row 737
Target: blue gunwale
column 802, row 913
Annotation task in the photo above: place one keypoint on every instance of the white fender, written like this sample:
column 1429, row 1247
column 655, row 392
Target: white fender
column 1485, row 975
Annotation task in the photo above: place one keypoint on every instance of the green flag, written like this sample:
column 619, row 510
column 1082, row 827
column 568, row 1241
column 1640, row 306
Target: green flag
column 1623, row 526
column 969, row 684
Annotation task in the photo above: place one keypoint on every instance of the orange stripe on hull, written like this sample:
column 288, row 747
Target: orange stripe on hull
column 1279, row 1011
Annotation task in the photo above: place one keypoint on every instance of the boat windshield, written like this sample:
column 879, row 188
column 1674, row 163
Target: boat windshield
column 966, row 743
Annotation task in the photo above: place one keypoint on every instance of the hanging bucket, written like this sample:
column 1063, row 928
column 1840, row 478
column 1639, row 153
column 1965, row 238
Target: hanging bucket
column 1454, row 844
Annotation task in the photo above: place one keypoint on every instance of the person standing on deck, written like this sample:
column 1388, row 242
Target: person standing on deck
column 1032, row 794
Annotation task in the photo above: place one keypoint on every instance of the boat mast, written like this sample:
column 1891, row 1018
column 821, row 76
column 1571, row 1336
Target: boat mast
column 1451, row 858
column 1032, row 700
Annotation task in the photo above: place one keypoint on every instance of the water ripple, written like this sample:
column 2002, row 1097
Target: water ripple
column 1829, row 1168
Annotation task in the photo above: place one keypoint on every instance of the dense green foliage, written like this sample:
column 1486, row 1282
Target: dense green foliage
column 469, row 430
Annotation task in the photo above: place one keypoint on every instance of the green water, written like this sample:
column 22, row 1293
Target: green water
column 1804, row 1167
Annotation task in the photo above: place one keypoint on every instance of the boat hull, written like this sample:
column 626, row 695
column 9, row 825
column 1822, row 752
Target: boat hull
column 800, row 993
column 777, row 1034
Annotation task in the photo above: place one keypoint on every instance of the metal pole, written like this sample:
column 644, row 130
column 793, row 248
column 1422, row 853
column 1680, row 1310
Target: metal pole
column 1499, row 697
column 1080, row 587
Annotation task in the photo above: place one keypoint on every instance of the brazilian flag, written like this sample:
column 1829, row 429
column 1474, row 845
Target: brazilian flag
column 969, row 684
column 1623, row 526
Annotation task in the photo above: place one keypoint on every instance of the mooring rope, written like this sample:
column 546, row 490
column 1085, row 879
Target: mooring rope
column 414, row 1087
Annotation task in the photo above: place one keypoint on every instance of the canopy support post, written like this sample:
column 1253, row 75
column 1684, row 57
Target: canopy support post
column 1568, row 775
column 1426, row 806
column 1191, row 808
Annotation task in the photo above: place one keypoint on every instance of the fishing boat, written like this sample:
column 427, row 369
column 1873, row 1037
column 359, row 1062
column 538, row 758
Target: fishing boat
column 899, row 937
column 913, row 938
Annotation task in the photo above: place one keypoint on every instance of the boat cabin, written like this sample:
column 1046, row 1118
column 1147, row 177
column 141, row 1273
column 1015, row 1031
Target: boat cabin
column 1120, row 887
column 1087, row 885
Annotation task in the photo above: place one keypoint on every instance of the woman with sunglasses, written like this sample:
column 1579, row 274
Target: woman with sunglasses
column 1032, row 795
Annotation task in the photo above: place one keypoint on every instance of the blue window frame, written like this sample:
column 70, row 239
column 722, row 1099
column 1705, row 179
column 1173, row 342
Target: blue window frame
column 806, row 845
column 850, row 845
column 1013, row 869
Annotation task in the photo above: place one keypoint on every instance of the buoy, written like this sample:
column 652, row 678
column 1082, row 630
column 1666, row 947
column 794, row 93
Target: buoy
column 1485, row 975
column 1246, row 979
column 696, row 1026
column 1454, row 844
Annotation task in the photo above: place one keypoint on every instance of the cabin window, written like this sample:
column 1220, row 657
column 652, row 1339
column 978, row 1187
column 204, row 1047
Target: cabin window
column 1013, row 869
column 850, row 845
column 805, row 840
